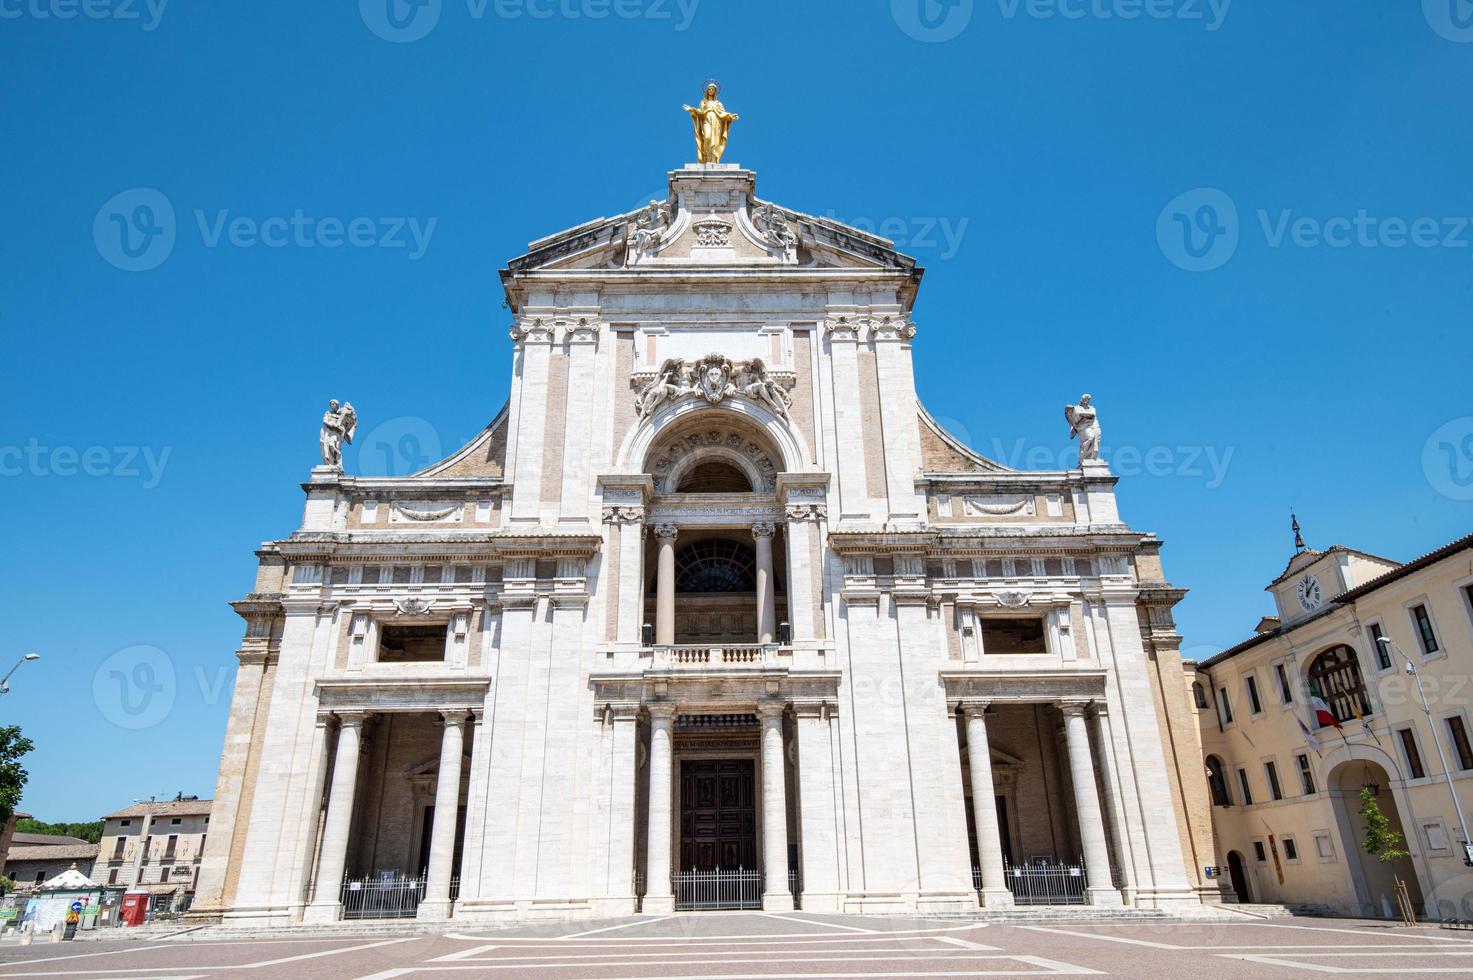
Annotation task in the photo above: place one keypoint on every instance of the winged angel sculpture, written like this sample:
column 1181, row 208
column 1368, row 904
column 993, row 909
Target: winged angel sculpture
column 1084, row 425
column 338, row 426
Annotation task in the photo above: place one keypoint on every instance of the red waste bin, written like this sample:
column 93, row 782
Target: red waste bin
column 135, row 908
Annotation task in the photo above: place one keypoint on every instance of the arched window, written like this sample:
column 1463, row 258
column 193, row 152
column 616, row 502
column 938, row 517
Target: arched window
column 1335, row 676
column 714, row 476
column 715, row 565
column 1217, row 782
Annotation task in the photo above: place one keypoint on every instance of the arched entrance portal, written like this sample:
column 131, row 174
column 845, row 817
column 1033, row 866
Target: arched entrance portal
column 1239, row 877
column 1374, row 879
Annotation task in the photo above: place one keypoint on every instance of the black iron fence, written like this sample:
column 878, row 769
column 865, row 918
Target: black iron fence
column 383, row 897
column 739, row 889
column 1042, row 884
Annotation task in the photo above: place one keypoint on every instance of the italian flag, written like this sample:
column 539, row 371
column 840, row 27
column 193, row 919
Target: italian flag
column 1323, row 716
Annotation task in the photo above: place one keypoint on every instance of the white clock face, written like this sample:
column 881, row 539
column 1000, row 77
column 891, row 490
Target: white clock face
column 1310, row 595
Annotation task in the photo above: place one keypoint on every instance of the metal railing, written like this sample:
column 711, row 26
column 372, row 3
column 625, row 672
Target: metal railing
column 384, row 897
column 739, row 889
column 1042, row 884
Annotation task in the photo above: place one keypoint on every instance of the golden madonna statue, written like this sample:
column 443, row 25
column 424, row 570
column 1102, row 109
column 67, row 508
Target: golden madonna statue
column 712, row 124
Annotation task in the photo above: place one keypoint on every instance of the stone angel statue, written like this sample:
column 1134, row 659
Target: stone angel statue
column 712, row 124
column 668, row 385
column 1084, row 425
column 338, row 426
column 764, row 390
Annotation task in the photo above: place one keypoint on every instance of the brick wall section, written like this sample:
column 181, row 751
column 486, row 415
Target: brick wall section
column 874, row 444
column 802, row 411
column 556, row 424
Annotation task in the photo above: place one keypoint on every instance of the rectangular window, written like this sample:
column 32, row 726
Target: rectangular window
column 416, row 644
column 1459, row 733
column 1425, row 633
column 112, row 877
column 1274, row 789
column 1224, row 706
column 1436, row 835
column 1306, row 775
column 163, row 874
column 118, row 845
column 1255, row 706
column 1247, row 789
column 1286, row 693
column 176, row 821
column 1259, row 852
column 171, row 847
column 1324, row 847
column 1291, row 849
column 1013, row 636
column 1379, row 650
column 1409, row 749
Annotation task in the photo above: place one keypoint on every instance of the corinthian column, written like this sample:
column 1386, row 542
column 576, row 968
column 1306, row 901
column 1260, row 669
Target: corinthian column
column 665, row 585
column 327, row 903
column 994, row 889
column 775, row 894
column 657, row 894
column 766, row 612
column 1087, row 805
column 436, row 904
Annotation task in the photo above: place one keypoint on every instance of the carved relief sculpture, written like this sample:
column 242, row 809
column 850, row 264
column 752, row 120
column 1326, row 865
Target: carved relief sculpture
column 714, row 377
column 338, row 426
column 650, row 225
column 773, row 224
column 1084, row 425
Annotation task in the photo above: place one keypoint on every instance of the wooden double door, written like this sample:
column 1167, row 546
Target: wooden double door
column 718, row 814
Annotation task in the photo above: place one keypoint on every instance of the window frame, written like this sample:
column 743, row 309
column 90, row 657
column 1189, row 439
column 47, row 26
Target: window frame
column 1328, row 838
column 1224, row 706
column 1271, row 776
column 1463, row 752
column 1281, row 670
column 1425, row 605
column 1380, row 653
column 1411, row 751
column 1245, row 786
column 1290, row 843
column 1255, row 697
column 1260, row 850
column 1423, row 823
column 1308, row 785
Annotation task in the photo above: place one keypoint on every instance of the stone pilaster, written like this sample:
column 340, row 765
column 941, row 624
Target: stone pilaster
column 775, row 894
column 658, row 896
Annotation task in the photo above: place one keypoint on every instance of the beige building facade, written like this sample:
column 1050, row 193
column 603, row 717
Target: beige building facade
column 1286, row 810
column 712, row 614
column 155, row 847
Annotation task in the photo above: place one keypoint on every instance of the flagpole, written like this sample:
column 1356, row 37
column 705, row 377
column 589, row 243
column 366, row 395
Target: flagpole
column 1447, row 773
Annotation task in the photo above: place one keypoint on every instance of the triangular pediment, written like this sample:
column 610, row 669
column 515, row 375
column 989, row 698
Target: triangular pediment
column 711, row 220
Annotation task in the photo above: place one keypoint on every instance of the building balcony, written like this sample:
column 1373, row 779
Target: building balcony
column 707, row 656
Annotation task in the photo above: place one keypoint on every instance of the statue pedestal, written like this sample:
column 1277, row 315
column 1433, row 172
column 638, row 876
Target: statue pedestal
column 326, row 474
column 712, row 187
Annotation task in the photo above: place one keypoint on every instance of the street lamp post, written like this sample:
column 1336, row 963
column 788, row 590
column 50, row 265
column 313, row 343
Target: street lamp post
column 1447, row 774
column 5, row 681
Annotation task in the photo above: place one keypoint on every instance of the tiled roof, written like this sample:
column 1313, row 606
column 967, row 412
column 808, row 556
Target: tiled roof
column 37, row 840
column 1348, row 596
column 75, row 852
column 168, row 808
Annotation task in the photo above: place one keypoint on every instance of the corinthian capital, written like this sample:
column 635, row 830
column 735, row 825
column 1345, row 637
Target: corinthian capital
column 764, row 529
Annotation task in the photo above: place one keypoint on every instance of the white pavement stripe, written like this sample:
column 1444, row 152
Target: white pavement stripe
column 1361, row 932
column 79, row 956
column 1094, row 935
column 622, row 925
column 324, row 952
column 1327, row 968
column 1048, row 968
column 810, row 922
column 953, row 940
column 465, row 954
column 901, row 933
column 614, row 956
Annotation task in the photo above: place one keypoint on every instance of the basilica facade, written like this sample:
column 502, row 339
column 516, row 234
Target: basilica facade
column 711, row 614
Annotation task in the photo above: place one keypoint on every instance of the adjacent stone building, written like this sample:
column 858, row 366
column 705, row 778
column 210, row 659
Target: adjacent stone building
column 712, row 613
column 155, row 847
column 1286, row 788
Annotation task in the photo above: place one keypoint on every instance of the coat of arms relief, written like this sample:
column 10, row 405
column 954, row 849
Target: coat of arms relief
column 715, row 378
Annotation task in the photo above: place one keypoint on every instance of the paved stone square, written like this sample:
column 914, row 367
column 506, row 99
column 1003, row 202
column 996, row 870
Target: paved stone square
column 707, row 946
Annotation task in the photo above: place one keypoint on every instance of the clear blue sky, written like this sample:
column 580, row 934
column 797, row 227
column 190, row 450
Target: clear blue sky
column 1027, row 162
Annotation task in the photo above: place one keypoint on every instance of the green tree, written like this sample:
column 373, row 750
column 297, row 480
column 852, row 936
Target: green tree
column 13, row 776
column 1380, row 840
column 89, row 831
